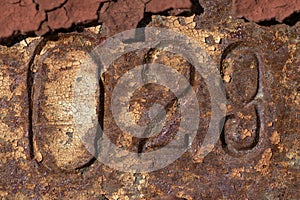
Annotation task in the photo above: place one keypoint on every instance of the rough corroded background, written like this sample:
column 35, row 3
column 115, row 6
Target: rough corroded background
column 248, row 161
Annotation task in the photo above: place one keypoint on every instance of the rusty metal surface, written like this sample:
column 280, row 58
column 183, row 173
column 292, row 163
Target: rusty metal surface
column 257, row 155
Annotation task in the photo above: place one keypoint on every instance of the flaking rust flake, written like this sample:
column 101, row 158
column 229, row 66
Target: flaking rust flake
column 255, row 157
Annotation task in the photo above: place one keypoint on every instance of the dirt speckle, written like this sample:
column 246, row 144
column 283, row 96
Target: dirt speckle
column 264, row 163
column 275, row 138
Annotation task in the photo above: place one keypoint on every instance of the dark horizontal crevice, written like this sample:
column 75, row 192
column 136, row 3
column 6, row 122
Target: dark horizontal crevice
column 290, row 21
column 75, row 28
column 270, row 22
column 17, row 37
